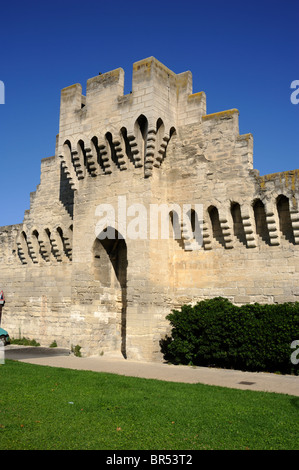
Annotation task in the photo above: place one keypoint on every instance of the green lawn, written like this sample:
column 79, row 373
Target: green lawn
column 52, row 408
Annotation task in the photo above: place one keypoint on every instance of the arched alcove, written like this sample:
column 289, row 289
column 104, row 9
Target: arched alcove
column 216, row 227
column 110, row 269
column 127, row 146
column 175, row 228
column 141, row 130
column 261, row 221
column 238, row 226
column 195, row 226
column 111, row 148
column 36, row 250
column 23, row 251
column 285, row 223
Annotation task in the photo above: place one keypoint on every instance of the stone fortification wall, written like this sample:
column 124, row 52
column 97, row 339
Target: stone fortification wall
column 156, row 145
column 36, row 262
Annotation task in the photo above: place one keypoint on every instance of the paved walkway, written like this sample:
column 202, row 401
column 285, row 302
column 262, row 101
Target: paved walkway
column 259, row 381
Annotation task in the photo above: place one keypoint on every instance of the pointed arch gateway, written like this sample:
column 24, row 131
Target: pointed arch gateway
column 110, row 268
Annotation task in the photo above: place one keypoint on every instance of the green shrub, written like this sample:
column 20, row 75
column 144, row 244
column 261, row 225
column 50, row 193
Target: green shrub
column 24, row 341
column 252, row 337
column 76, row 350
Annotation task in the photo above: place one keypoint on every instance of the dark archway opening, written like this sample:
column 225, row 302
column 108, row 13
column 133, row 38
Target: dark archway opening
column 285, row 222
column 238, row 226
column 216, row 227
column 113, row 253
column 261, row 221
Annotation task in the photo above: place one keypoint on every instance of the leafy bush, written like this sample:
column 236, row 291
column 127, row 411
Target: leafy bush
column 215, row 332
column 76, row 350
column 24, row 341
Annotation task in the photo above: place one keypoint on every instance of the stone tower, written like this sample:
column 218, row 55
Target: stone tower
column 143, row 155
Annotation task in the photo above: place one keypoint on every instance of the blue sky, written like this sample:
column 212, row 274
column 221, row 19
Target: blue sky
column 243, row 55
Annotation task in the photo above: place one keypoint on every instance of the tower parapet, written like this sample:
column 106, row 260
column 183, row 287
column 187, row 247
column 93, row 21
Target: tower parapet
column 107, row 125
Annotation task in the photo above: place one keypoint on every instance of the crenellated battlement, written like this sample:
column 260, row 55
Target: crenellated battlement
column 135, row 127
column 156, row 91
column 106, row 131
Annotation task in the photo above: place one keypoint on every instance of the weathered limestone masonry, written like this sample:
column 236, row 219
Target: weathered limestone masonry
column 156, row 145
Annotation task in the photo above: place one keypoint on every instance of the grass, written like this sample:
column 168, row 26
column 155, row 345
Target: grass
column 47, row 408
